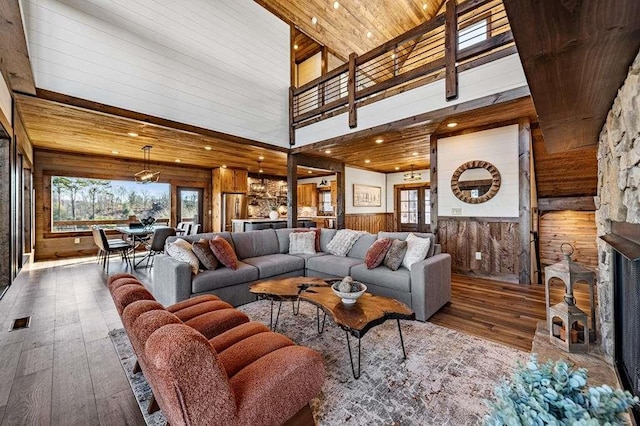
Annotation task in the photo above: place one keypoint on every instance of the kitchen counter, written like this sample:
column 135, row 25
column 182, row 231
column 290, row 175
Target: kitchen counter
column 252, row 224
column 259, row 220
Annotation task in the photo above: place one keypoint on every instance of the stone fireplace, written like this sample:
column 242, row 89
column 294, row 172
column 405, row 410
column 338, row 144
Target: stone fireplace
column 618, row 225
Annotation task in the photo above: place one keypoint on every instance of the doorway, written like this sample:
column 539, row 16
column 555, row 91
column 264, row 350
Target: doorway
column 413, row 207
column 189, row 207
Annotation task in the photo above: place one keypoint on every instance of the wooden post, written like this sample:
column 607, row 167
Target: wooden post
column 433, row 183
column 340, row 208
column 6, row 259
column 324, row 66
column 351, row 87
column 292, row 129
column 524, row 222
column 292, row 190
column 451, row 50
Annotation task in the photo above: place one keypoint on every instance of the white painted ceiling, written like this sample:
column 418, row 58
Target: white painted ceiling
column 218, row 64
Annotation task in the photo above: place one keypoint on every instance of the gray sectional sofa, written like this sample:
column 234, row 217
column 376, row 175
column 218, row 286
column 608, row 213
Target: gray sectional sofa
column 264, row 255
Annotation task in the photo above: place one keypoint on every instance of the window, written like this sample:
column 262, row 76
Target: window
column 325, row 202
column 78, row 203
column 409, row 206
column 473, row 33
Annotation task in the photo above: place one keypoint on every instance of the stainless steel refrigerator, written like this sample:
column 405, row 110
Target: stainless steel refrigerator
column 234, row 206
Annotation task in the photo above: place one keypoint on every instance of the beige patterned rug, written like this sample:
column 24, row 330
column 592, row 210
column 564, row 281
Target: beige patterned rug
column 444, row 380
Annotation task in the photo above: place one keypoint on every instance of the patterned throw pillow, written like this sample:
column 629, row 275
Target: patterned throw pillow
column 342, row 242
column 376, row 253
column 317, row 231
column 417, row 249
column 394, row 256
column 302, row 242
column 203, row 252
column 179, row 252
column 224, row 252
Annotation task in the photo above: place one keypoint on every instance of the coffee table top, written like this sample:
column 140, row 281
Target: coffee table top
column 368, row 311
column 285, row 288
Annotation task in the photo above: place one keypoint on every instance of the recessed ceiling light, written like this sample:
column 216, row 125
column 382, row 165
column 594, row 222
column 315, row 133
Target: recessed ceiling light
column 178, row 160
column 452, row 124
column 208, row 148
column 309, row 171
column 336, row 5
column 415, row 154
column 295, row 47
column 393, row 56
column 132, row 134
column 260, row 171
column 115, row 152
column 367, row 161
column 369, row 34
column 327, row 151
column 424, row 6
column 397, row 168
column 224, row 166
column 314, row 20
column 261, row 158
column 379, row 140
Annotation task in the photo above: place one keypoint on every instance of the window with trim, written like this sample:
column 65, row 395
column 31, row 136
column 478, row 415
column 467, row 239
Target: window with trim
column 473, row 33
column 325, row 202
column 78, row 203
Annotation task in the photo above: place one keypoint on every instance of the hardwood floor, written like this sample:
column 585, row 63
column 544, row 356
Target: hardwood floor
column 63, row 370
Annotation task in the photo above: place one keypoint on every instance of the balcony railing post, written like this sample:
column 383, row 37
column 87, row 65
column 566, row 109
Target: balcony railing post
column 351, row 88
column 292, row 130
column 451, row 50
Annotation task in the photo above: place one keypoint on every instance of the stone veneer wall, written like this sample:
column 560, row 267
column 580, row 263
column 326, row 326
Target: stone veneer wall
column 618, row 187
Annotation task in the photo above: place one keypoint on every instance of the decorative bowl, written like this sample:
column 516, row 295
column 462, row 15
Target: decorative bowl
column 349, row 298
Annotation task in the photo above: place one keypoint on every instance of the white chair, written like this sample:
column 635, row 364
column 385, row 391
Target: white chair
column 195, row 228
column 183, row 228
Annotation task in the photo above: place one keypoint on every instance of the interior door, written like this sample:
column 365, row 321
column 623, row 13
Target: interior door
column 413, row 207
column 189, row 207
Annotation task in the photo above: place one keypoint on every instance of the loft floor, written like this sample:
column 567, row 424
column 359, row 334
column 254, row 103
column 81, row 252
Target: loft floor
column 63, row 370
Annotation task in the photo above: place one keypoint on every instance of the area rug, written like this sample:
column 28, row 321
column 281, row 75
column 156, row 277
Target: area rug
column 444, row 380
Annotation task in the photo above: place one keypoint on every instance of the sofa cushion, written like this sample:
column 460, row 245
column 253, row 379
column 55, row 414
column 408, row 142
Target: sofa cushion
column 283, row 239
column 178, row 251
column 203, row 252
column 417, row 249
column 316, row 240
column 302, row 242
column 384, row 277
column 403, row 236
column 376, row 253
column 393, row 258
column 362, row 245
column 197, row 237
column 255, row 243
column 272, row 265
column 224, row 252
column 338, row 266
column 343, row 241
column 223, row 277
column 326, row 235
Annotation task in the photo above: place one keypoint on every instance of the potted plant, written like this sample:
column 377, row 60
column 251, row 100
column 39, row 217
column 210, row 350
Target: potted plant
column 555, row 394
column 273, row 210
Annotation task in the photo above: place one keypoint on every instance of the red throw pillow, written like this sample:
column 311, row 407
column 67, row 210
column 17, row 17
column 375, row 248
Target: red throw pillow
column 317, row 231
column 376, row 253
column 224, row 252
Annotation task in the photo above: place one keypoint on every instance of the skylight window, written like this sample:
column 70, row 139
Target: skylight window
column 473, row 34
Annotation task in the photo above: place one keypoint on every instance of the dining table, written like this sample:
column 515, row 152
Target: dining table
column 138, row 236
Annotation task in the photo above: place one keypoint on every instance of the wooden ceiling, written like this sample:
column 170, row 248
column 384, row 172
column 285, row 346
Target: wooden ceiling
column 575, row 57
column 344, row 30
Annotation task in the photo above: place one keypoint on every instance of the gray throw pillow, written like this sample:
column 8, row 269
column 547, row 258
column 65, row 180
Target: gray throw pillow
column 204, row 254
column 394, row 256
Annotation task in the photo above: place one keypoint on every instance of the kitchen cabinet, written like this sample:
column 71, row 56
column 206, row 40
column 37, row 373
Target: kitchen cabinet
column 334, row 194
column 307, row 195
column 233, row 180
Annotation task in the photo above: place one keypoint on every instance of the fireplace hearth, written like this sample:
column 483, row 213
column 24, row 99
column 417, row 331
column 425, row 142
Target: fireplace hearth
column 625, row 240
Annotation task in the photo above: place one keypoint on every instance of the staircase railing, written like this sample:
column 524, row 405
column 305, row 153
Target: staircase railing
column 465, row 35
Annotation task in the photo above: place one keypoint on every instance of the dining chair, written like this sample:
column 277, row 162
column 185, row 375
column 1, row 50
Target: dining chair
column 108, row 247
column 156, row 245
column 195, row 228
column 183, row 228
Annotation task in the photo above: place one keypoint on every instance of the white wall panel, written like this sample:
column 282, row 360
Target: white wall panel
column 398, row 179
column 497, row 76
column 497, row 146
column 222, row 65
column 364, row 177
column 5, row 100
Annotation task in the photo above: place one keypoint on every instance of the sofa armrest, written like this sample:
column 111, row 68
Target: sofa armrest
column 430, row 285
column 171, row 281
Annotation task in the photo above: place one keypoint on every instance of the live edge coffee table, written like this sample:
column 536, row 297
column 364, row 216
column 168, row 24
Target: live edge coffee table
column 356, row 319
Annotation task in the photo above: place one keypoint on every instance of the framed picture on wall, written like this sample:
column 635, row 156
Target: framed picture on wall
column 367, row 196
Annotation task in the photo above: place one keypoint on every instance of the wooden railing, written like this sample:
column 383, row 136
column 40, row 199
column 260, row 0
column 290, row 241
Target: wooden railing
column 466, row 35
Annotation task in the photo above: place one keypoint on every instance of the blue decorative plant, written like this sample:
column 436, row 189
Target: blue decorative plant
column 555, row 394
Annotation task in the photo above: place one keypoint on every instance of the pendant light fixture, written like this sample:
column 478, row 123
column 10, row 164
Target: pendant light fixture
column 259, row 187
column 146, row 175
column 412, row 176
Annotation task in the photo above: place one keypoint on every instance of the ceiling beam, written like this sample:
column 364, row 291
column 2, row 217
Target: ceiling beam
column 14, row 56
column 576, row 55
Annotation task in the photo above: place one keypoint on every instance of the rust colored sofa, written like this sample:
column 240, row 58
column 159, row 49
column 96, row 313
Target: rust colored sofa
column 236, row 372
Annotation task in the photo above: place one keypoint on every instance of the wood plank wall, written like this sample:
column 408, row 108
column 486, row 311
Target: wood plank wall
column 576, row 228
column 369, row 222
column 496, row 239
column 48, row 163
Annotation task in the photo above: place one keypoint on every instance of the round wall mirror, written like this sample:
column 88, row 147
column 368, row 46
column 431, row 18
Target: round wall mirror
column 475, row 182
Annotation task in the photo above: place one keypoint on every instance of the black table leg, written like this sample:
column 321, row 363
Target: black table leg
column 404, row 353
column 353, row 370
column 296, row 309
column 324, row 318
column 273, row 325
